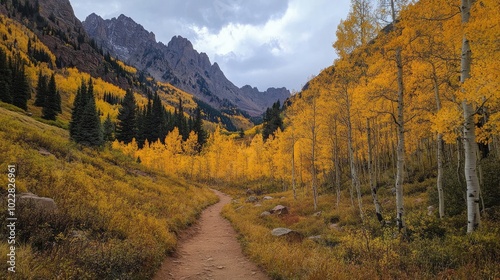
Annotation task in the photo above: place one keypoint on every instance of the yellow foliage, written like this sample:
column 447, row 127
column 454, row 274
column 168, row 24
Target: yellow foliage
column 108, row 205
column 125, row 67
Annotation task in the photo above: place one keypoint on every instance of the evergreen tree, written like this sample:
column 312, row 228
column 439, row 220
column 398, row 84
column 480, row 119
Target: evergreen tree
column 126, row 126
column 76, row 116
column 108, row 129
column 198, row 128
column 158, row 119
column 52, row 104
column 90, row 124
column 85, row 125
column 58, row 102
column 5, row 78
column 272, row 120
column 169, row 121
column 20, row 87
column 145, row 126
column 41, row 90
column 181, row 121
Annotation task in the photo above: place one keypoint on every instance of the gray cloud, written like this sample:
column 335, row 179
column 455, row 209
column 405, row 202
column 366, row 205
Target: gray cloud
column 262, row 43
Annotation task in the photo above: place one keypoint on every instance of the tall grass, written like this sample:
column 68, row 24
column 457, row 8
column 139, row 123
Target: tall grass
column 430, row 249
column 115, row 219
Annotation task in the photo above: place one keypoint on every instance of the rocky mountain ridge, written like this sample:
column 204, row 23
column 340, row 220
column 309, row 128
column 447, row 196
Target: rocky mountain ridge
column 177, row 63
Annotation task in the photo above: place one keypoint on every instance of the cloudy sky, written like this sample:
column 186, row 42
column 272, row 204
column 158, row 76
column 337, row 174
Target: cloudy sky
column 264, row 43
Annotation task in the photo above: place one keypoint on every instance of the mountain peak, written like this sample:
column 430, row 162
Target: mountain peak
column 177, row 63
column 180, row 43
column 93, row 16
column 122, row 36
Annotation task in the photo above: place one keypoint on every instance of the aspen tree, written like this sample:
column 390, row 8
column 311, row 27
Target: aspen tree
column 393, row 7
column 353, row 33
column 469, row 133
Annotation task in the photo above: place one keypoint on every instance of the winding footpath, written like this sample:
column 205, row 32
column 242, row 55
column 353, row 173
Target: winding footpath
column 210, row 250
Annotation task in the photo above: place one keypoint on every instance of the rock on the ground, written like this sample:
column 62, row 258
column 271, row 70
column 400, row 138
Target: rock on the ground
column 315, row 237
column 268, row 197
column 78, row 235
column 290, row 235
column 265, row 213
column 43, row 204
column 279, row 210
column 281, row 231
column 317, row 214
column 44, row 152
column 252, row 199
column 430, row 210
column 335, row 227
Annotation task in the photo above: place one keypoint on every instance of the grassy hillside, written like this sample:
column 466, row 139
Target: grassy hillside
column 16, row 40
column 114, row 218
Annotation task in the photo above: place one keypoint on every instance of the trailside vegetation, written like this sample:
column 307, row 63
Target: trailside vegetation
column 115, row 219
column 386, row 159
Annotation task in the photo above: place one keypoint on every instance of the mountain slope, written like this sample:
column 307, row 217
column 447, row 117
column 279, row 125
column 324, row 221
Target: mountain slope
column 109, row 208
column 177, row 63
column 51, row 28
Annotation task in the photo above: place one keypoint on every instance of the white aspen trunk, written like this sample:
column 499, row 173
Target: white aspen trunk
column 439, row 140
column 293, row 168
column 400, row 152
column 439, row 183
column 313, row 156
column 354, row 174
column 469, row 139
column 337, row 164
column 373, row 183
column 400, row 126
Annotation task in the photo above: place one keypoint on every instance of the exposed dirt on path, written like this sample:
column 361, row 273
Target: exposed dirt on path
column 210, row 250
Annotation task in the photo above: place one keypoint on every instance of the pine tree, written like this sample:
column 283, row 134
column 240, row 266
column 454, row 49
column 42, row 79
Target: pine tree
column 20, row 87
column 41, row 90
column 108, row 129
column 85, row 125
column 90, row 124
column 272, row 120
column 198, row 128
column 126, row 126
column 5, row 79
column 145, row 125
column 52, row 102
column 158, row 119
column 76, row 115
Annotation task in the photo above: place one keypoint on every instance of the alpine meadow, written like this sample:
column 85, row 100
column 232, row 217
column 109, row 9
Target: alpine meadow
column 115, row 149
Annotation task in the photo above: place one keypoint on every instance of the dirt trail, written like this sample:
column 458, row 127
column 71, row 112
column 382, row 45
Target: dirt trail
column 210, row 250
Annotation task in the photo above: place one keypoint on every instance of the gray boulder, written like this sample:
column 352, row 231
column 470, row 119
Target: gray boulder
column 281, row 231
column 265, row 213
column 252, row 199
column 279, row 210
column 43, row 204
column 290, row 235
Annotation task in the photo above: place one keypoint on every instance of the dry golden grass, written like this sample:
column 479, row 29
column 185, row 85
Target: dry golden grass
column 431, row 249
column 115, row 219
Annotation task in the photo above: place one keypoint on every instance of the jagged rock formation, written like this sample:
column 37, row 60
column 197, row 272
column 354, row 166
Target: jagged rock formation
column 177, row 63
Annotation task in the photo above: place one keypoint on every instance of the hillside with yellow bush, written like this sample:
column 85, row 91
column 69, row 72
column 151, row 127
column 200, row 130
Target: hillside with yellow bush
column 114, row 217
column 384, row 166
